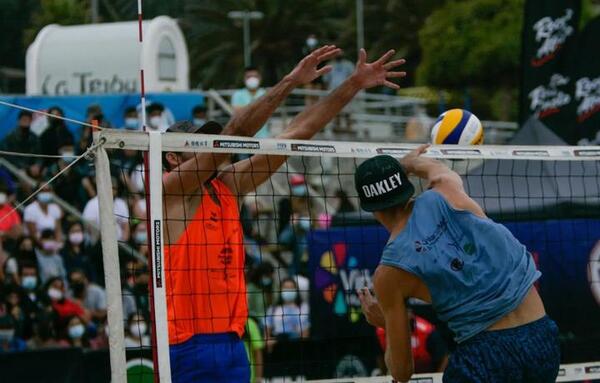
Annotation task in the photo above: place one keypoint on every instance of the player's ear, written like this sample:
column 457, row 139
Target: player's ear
column 172, row 159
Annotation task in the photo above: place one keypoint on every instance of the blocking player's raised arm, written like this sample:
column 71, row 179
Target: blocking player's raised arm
column 247, row 175
column 191, row 171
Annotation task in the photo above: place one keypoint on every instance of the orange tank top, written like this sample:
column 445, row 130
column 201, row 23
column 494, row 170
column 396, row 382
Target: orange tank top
column 204, row 271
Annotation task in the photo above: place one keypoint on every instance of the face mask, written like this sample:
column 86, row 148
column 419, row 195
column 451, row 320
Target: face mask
column 252, row 82
column 76, row 331
column 288, row 295
column 44, row 197
column 155, row 122
column 199, row 121
column 304, row 224
column 131, row 123
column 3, row 198
column 55, row 294
column 311, row 42
column 76, row 238
column 29, row 282
column 266, row 281
column 49, row 246
column 140, row 237
column 138, row 329
column 6, row 335
column 68, row 157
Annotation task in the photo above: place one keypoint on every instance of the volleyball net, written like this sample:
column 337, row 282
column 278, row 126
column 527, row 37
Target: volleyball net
column 290, row 244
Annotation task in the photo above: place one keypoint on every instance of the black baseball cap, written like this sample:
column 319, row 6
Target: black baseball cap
column 381, row 183
column 211, row 127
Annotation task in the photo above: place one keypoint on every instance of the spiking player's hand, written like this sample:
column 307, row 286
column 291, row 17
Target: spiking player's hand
column 368, row 75
column 370, row 308
column 408, row 160
column 306, row 70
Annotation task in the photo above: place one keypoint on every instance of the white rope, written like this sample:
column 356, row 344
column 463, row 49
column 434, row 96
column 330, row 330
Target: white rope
column 15, row 208
column 22, row 154
column 48, row 114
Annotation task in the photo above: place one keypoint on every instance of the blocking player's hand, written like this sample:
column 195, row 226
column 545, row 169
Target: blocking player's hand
column 306, row 70
column 370, row 308
column 368, row 75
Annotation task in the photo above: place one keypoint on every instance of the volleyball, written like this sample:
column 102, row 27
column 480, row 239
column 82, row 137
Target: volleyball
column 458, row 127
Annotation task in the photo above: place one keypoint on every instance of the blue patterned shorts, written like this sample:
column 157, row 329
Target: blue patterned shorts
column 528, row 354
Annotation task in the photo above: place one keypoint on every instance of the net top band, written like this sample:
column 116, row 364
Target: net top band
column 181, row 142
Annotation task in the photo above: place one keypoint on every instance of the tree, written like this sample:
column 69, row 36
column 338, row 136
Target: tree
column 215, row 41
column 63, row 12
column 476, row 42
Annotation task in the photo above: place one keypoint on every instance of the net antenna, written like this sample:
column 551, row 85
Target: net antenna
column 153, row 183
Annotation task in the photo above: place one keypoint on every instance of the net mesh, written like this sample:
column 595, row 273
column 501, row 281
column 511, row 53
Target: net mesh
column 292, row 251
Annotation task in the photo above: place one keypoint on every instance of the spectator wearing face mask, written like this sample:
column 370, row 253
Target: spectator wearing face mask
column 288, row 319
column 136, row 333
column 43, row 214
column 156, row 118
column 293, row 233
column 76, row 253
column 63, row 307
column 75, row 334
column 56, row 134
column 260, row 290
column 89, row 295
column 50, row 263
column 140, row 238
column 29, row 296
column 248, row 94
column 9, row 341
column 131, row 120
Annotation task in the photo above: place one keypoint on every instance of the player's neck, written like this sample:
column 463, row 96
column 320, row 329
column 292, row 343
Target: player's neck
column 395, row 220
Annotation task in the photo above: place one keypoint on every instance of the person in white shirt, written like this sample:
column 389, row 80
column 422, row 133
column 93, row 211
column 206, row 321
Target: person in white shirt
column 42, row 214
column 136, row 333
column 91, row 214
column 289, row 317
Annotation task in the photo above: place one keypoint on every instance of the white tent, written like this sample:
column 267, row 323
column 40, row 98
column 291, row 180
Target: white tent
column 105, row 58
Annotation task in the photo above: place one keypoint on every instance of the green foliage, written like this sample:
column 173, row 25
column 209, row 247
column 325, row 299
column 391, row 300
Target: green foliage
column 63, row 12
column 472, row 43
column 216, row 42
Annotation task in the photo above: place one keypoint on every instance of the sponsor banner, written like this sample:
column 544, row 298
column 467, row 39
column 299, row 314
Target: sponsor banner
column 313, row 148
column 234, row 144
column 158, row 253
column 549, row 32
column 586, row 78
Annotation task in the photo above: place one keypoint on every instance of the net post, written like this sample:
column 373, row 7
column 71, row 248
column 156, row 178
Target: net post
column 112, row 276
column 156, row 255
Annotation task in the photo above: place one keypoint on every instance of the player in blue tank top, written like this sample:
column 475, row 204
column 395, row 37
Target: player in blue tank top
column 477, row 276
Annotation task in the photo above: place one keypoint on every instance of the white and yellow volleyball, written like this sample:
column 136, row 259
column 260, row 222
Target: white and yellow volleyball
column 458, row 127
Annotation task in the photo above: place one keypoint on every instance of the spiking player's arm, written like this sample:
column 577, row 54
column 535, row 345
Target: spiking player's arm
column 441, row 178
column 190, row 174
column 245, row 176
column 392, row 293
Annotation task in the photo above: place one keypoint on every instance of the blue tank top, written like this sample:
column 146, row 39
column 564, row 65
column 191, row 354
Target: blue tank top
column 475, row 269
